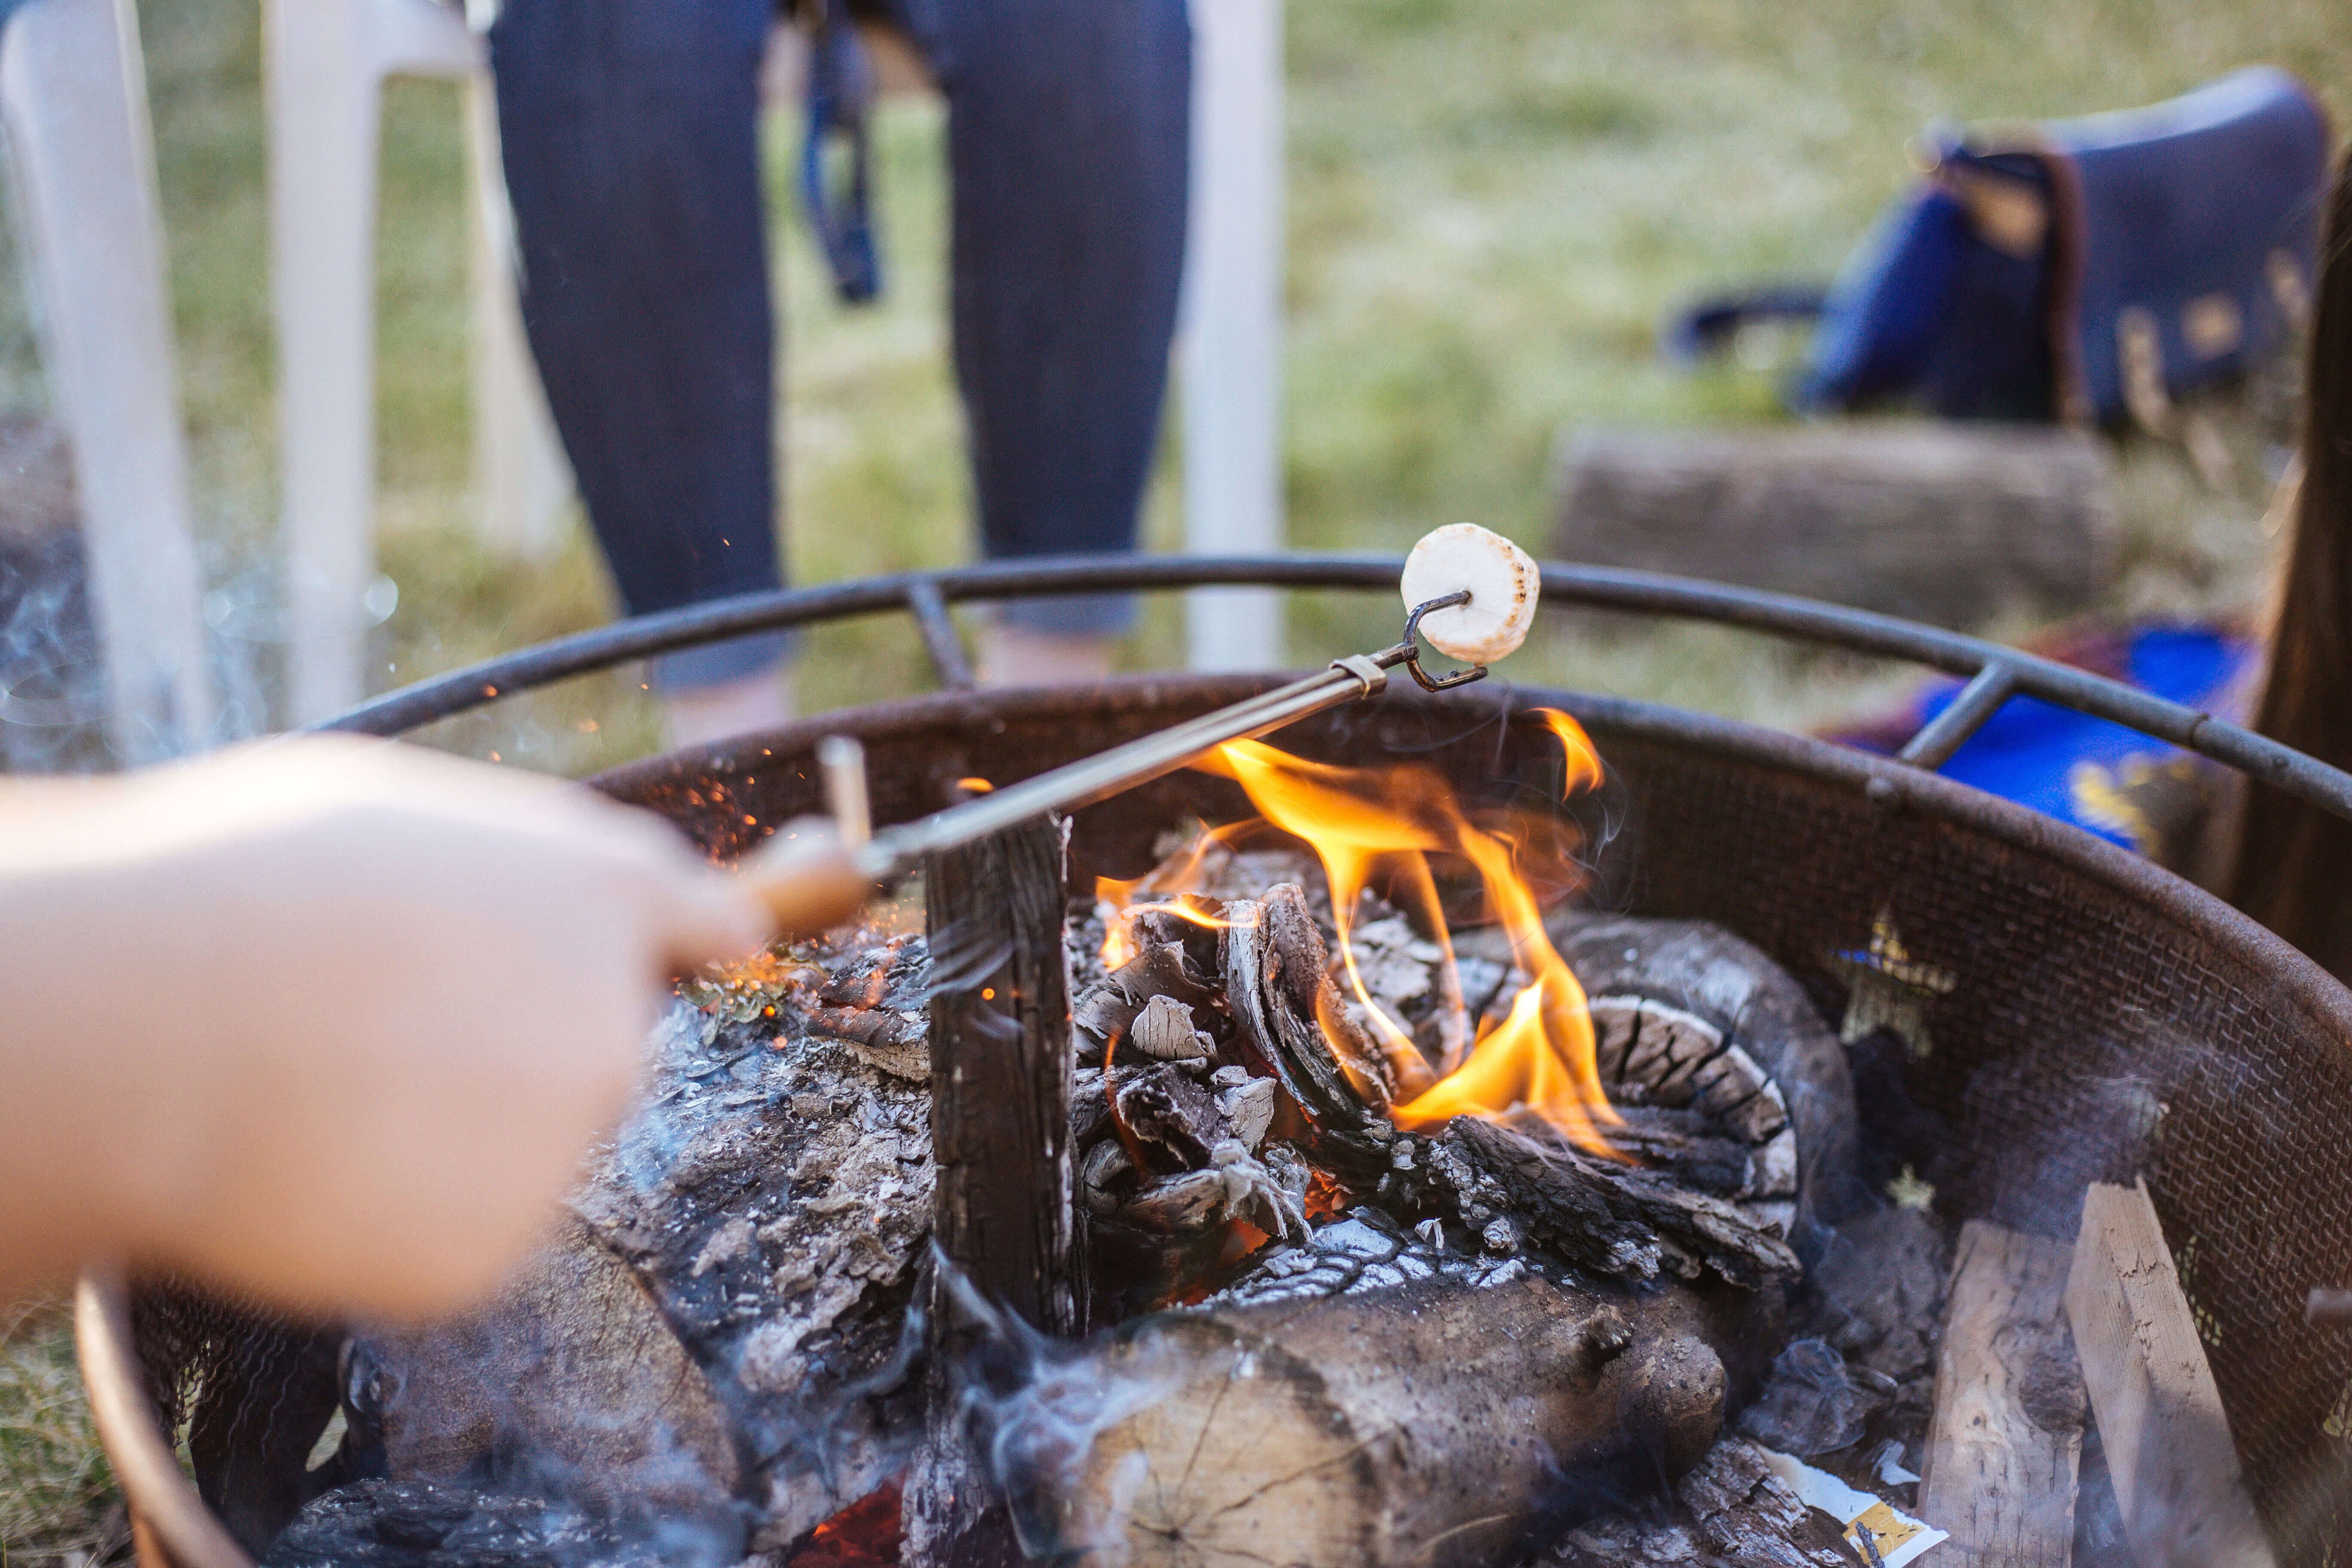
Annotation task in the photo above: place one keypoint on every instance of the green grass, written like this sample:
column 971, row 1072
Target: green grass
column 56, row 1498
column 1491, row 204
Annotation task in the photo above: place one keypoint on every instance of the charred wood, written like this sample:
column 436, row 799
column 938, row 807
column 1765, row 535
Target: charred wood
column 1612, row 1219
column 1003, row 1209
column 774, row 1195
column 1705, row 971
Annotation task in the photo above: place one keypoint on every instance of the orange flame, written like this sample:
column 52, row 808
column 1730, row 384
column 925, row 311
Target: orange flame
column 1575, row 747
column 1117, row 899
column 1361, row 821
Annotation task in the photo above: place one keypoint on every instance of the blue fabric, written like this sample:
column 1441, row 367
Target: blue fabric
column 629, row 131
column 2188, row 201
column 2183, row 209
column 1878, row 326
column 2061, row 762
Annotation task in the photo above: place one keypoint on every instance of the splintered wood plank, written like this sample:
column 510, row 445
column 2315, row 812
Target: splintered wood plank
column 2007, row 1434
column 2177, row 1477
column 1003, row 1210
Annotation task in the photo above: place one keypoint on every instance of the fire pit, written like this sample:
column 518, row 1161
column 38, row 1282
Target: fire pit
column 2068, row 1014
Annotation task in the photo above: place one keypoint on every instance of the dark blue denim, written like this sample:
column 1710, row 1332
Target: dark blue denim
column 630, row 132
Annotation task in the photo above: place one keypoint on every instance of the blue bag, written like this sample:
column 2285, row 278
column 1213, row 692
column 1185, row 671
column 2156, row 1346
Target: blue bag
column 2036, row 272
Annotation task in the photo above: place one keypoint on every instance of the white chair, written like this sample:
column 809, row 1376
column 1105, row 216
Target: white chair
column 326, row 63
column 1231, row 348
column 73, row 92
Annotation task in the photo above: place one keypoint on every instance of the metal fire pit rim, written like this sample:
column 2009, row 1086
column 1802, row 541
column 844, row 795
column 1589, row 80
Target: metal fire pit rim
column 1886, row 782
column 1994, row 672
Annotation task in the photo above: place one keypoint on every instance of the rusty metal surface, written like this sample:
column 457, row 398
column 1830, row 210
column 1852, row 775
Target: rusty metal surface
column 2083, row 1013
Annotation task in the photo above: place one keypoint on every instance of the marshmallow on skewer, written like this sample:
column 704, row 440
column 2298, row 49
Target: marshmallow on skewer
column 1503, row 584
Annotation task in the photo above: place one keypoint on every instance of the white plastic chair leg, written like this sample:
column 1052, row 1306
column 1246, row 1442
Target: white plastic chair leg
column 1231, row 356
column 324, row 98
column 521, row 474
column 325, row 61
column 73, row 90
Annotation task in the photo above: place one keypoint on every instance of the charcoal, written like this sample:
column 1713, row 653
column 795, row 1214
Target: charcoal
column 1814, row 1402
column 1881, row 1283
column 1164, row 1032
column 1105, row 1014
column 1164, row 1108
column 429, row 1524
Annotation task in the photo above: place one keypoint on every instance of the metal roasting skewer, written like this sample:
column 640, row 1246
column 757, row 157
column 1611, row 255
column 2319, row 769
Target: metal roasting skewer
column 894, row 851
column 781, row 868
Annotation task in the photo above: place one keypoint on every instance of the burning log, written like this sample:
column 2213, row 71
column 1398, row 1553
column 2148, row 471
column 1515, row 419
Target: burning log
column 1433, row 1423
column 1704, row 971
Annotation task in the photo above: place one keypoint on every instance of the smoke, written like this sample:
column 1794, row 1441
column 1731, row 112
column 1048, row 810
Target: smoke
column 1034, row 1407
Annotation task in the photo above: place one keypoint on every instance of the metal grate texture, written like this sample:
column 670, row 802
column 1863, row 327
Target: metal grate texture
column 2047, row 1010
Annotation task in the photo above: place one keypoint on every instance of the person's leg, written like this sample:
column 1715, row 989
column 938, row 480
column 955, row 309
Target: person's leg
column 1068, row 127
column 630, row 131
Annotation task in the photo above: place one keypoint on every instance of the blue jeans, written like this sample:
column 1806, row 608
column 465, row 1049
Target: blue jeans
column 630, row 132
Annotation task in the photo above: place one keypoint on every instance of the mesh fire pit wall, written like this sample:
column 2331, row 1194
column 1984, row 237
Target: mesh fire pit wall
column 2102, row 1018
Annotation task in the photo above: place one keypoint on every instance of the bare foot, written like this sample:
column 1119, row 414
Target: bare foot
column 1015, row 656
column 699, row 715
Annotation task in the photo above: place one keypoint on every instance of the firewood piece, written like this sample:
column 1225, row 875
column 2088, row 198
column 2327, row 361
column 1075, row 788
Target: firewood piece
column 1279, row 984
column 1003, row 1209
column 1434, row 1423
column 1872, row 515
column 1747, row 1514
column 571, row 1364
column 2007, row 1436
column 1002, row 1202
column 2177, row 1476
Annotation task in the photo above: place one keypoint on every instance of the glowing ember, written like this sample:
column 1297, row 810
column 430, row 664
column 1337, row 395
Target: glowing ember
column 866, row 1534
column 1365, row 823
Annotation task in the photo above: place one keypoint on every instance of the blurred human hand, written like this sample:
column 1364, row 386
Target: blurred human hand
column 328, row 1020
